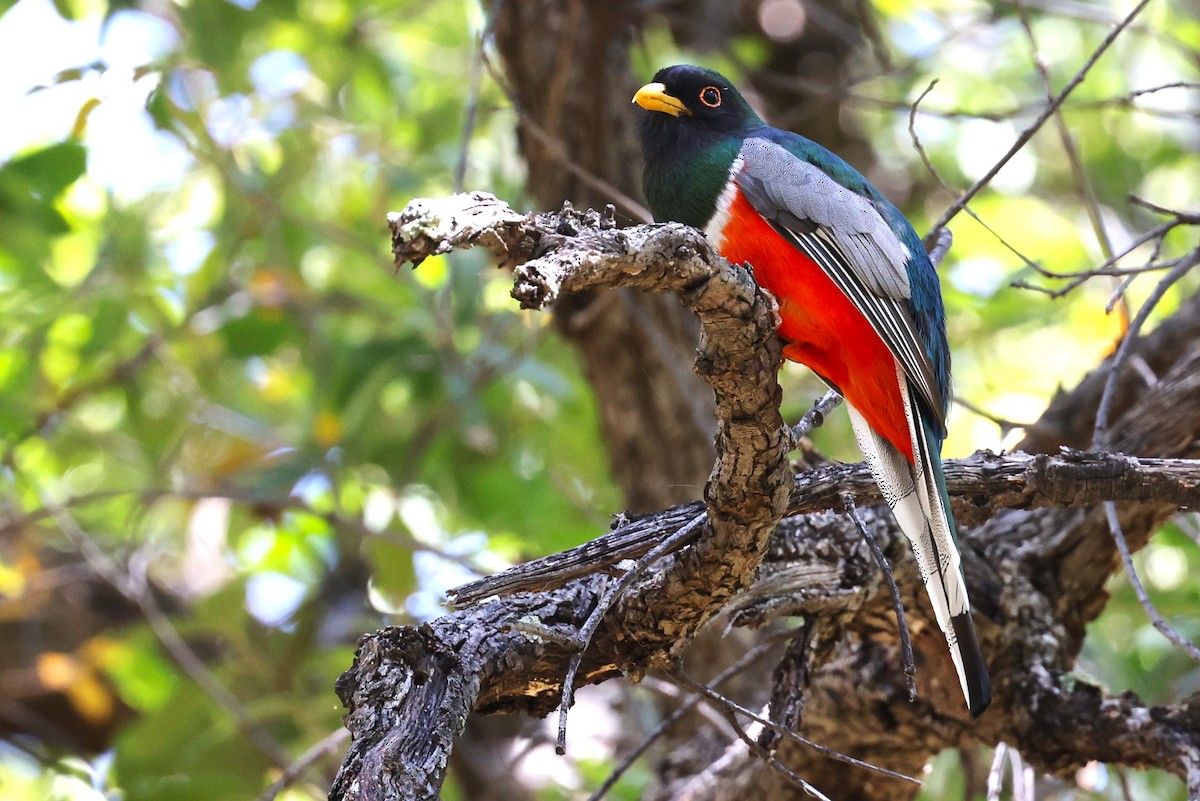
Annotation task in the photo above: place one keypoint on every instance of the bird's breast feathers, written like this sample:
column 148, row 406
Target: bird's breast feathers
column 788, row 217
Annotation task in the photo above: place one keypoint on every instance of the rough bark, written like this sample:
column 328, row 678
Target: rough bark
column 571, row 83
column 1037, row 574
column 1036, row 578
column 985, row 484
column 567, row 66
column 397, row 678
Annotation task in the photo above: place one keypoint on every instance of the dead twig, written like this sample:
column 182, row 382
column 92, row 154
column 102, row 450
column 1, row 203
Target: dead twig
column 1049, row 111
column 1100, row 431
column 319, row 750
column 728, row 704
column 814, row 418
column 906, row 651
column 1156, row 618
column 174, row 644
column 583, row 639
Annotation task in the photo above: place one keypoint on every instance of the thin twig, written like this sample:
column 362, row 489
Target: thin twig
column 1165, row 628
column 146, row 497
column 1091, row 202
column 1003, row 423
column 814, row 418
column 322, row 748
column 473, row 89
column 916, row 140
column 584, row 638
column 906, row 650
column 1090, row 12
column 1123, row 780
column 717, row 698
column 1152, row 206
column 718, row 721
column 165, row 631
column 792, row 680
column 1077, row 278
column 1086, row 190
column 1137, row 362
column 1022, row 777
column 935, row 237
column 559, row 153
column 662, row 728
column 1126, row 100
column 1047, row 112
column 1189, row 524
column 767, row 756
column 1118, row 296
column 1100, row 431
column 995, row 777
column 794, row 777
column 1155, row 234
column 937, row 253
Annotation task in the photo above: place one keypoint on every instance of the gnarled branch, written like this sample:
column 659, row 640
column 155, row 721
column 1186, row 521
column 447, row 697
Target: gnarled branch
column 744, row 498
column 1037, row 573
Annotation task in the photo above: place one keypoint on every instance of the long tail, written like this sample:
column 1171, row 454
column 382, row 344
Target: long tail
column 916, row 492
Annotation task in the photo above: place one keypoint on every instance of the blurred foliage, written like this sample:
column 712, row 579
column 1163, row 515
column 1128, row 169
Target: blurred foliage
column 198, row 304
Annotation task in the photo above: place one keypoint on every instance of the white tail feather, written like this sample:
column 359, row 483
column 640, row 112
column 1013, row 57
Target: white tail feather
column 911, row 490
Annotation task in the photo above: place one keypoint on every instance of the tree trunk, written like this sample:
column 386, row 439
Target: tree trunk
column 568, row 66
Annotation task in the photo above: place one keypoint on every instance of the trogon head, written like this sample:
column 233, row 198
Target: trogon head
column 693, row 101
column 691, row 128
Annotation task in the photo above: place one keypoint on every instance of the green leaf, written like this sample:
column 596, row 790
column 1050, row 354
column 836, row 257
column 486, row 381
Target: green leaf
column 188, row 751
column 44, row 174
column 255, row 334
column 215, row 29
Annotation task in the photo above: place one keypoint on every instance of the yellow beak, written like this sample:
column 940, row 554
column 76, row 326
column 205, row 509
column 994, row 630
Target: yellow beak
column 654, row 97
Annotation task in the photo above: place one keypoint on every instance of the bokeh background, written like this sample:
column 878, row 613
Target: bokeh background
column 234, row 437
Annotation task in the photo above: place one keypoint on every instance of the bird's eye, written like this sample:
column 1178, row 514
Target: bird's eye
column 710, row 96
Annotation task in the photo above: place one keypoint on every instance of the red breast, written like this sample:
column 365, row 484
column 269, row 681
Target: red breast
column 821, row 327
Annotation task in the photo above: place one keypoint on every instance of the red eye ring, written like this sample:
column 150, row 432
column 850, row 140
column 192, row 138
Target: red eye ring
column 710, row 96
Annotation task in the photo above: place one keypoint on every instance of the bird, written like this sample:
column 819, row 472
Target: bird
column 859, row 301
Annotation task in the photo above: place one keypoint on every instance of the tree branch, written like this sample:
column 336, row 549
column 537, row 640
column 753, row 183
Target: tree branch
column 979, row 486
column 431, row 678
column 1037, row 573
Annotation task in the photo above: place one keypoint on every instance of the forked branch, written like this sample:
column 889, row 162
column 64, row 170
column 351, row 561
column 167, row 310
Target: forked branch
column 412, row 688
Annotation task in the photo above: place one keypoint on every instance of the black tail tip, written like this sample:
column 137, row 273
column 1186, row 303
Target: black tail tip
column 980, row 695
column 975, row 672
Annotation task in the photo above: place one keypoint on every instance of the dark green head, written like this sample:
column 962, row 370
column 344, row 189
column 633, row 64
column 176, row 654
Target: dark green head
column 692, row 125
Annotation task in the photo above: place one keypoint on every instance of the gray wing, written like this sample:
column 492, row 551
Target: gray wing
column 844, row 233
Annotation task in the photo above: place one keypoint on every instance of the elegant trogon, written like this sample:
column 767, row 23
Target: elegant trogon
column 859, row 300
